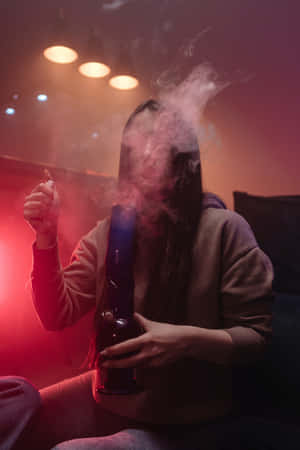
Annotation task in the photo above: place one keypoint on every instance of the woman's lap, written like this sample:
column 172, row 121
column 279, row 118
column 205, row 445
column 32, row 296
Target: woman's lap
column 71, row 419
column 69, row 411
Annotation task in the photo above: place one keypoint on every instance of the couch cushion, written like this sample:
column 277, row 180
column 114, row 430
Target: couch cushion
column 275, row 222
column 283, row 356
column 272, row 386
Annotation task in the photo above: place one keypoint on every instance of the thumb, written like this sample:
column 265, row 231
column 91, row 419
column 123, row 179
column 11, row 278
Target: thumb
column 145, row 323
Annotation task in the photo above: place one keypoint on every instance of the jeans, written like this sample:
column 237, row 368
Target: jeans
column 19, row 401
column 139, row 439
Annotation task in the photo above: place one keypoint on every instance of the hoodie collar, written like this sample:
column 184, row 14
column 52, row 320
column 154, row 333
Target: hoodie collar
column 211, row 200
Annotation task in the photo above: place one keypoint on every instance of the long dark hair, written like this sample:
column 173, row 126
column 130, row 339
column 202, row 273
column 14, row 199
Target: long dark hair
column 170, row 275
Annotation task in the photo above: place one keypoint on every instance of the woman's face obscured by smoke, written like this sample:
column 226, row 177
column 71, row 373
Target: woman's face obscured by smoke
column 152, row 141
column 158, row 148
column 148, row 153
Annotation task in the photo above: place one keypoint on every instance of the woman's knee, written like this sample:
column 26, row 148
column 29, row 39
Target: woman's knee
column 30, row 395
column 63, row 446
column 111, row 442
column 77, row 444
column 20, row 391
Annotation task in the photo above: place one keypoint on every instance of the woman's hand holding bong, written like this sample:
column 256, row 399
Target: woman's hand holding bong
column 160, row 345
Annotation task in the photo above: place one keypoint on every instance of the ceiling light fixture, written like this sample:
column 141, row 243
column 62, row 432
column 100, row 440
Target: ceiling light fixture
column 91, row 66
column 42, row 97
column 10, row 111
column 60, row 52
column 123, row 82
column 94, row 70
column 124, row 74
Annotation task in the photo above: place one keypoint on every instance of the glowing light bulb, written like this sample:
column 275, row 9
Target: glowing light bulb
column 10, row 111
column 94, row 70
column 60, row 54
column 42, row 97
column 123, row 82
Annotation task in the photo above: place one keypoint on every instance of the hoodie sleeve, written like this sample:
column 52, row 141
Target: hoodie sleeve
column 63, row 296
column 246, row 290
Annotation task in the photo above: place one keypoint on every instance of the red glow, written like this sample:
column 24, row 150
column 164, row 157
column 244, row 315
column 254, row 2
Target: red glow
column 26, row 348
column 6, row 273
column 2, row 271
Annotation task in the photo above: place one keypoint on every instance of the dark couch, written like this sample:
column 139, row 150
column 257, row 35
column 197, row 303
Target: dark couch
column 269, row 394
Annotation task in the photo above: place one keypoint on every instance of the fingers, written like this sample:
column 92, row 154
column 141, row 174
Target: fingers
column 32, row 214
column 35, row 209
column 38, row 201
column 36, row 205
column 129, row 346
column 45, row 188
column 41, row 207
column 39, row 197
column 145, row 323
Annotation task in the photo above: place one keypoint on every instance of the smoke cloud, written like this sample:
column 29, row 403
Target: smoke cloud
column 157, row 135
column 112, row 5
column 191, row 96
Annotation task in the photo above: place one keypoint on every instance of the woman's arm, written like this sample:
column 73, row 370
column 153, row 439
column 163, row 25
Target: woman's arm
column 246, row 292
column 164, row 343
column 63, row 296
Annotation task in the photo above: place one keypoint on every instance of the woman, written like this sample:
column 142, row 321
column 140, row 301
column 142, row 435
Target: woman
column 202, row 294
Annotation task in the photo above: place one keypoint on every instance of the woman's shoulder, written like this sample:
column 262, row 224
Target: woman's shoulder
column 228, row 216
column 214, row 209
column 228, row 223
column 224, row 215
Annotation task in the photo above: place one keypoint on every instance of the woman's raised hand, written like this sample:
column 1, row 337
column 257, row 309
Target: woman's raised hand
column 41, row 210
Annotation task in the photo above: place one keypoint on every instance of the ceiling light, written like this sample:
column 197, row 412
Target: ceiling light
column 124, row 77
column 60, row 51
column 94, row 70
column 92, row 65
column 10, row 111
column 60, row 54
column 42, row 97
column 123, row 82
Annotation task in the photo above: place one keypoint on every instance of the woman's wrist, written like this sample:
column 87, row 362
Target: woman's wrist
column 212, row 345
column 45, row 240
